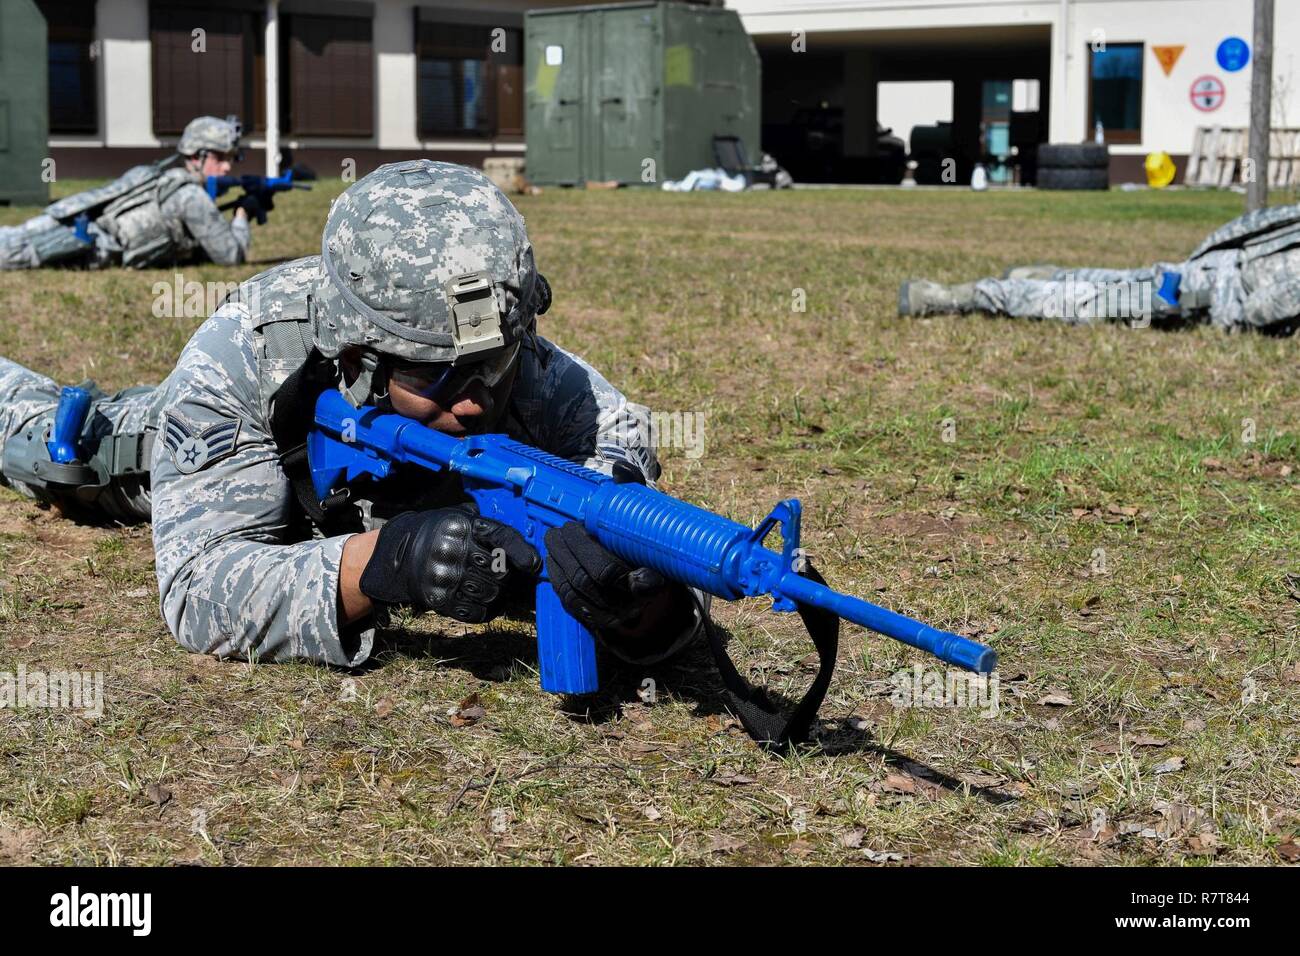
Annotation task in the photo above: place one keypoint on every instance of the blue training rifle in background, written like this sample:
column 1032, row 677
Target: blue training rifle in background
column 263, row 187
column 532, row 491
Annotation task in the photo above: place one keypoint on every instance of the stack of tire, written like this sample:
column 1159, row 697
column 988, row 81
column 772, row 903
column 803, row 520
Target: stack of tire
column 1073, row 166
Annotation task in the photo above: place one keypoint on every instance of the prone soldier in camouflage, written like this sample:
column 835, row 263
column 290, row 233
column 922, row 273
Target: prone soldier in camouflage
column 158, row 214
column 1245, row 276
column 423, row 300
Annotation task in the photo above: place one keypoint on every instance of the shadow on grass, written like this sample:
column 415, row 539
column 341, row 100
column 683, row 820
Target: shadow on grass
column 690, row 676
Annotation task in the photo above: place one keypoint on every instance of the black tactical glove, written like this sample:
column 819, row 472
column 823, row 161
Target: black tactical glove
column 256, row 205
column 607, row 595
column 450, row 561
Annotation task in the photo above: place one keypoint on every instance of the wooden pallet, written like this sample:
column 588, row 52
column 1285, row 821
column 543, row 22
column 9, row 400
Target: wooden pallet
column 1218, row 154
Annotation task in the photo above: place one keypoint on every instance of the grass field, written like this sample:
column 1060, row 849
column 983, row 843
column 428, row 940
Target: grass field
column 1114, row 510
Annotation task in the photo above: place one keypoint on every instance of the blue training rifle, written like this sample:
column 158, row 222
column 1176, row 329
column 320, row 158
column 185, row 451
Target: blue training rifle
column 533, row 491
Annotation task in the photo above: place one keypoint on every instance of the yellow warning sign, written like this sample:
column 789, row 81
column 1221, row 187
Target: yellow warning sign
column 1168, row 56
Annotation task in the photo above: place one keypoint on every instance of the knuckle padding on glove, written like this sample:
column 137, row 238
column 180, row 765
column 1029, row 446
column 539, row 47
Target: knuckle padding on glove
column 434, row 561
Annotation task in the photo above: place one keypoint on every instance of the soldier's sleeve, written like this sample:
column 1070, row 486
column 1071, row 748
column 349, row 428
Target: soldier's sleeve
column 569, row 409
column 225, row 241
column 230, row 581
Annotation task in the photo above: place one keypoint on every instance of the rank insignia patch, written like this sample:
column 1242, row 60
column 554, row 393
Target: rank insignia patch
column 193, row 448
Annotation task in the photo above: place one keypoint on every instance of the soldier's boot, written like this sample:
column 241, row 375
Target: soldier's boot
column 920, row 297
column 1031, row 272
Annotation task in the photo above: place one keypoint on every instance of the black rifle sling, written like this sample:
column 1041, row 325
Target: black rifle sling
column 751, row 705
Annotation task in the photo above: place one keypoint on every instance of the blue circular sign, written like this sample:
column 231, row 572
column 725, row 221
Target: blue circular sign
column 1233, row 54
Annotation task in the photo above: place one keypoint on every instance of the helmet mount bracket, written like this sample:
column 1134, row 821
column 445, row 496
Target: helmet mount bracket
column 476, row 318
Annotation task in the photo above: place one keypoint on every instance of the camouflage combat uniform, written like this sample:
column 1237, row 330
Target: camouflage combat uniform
column 1243, row 276
column 170, row 219
column 237, row 574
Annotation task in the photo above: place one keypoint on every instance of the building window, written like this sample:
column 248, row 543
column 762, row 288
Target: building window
column 331, row 86
column 469, row 80
column 1115, row 92
column 207, row 61
column 73, row 73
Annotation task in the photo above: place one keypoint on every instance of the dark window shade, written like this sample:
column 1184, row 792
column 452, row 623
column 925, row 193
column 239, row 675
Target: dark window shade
column 73, row 72
column 1115, row 91
column 220, row 81
column 464, row 87
column 331, row 76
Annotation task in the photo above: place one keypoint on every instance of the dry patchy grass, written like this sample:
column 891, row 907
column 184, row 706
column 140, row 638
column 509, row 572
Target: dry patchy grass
column 1098, row 519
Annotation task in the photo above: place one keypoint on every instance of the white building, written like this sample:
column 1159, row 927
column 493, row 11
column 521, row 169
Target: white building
column 372, row 79
column 1092, row 59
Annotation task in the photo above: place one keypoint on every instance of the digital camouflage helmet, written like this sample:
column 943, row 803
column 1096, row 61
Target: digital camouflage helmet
column 425, row 262
column 208, row 133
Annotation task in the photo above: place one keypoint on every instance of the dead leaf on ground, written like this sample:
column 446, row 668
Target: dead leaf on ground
column 1038, row 821
column 1056, row 698
column 21, row 643
column 384, row 707
column 1143, row 740
column 1077, row 789
column 881, row 856
column 1103, row 835
column 851, row 839
column 1203, row 844
column 725, row 843
column 1172, row 765
column 1182, row 818
column 1289, row 851
column 468, row 712
column 899, row 783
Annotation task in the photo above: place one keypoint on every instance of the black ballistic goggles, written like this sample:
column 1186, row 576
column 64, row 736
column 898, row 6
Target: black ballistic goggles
column 435, row 380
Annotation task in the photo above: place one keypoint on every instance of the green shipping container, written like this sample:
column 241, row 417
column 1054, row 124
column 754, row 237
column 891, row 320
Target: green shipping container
column 636, row 92
column 24, row 110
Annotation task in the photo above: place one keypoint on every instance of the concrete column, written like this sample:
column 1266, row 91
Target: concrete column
column 1062, row 125
column 271, row 57
column 859, row 104
column 127, row 73
column 395, row 76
